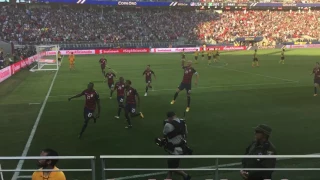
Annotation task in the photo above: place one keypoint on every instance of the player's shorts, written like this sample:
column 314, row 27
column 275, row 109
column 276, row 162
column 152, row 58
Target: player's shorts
column 148, row 81
column 209, row 57
column 282, row 58
column 255, row 59
column 202, row 55
column 103, row 66
column 131, row 108
column 59, row 59
column 110, row 85
column 316, row 81
column 173, row 162
column 87, row 114
column 196, row 57
column 185, row 86
column 215, row 56
column 120, row 99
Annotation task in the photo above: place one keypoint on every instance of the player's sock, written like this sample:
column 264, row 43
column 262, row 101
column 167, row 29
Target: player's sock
column 315, row 90
column 188, row 99
column 175, row 96
column 111, row 92
column 257, row 64
column 147, row 89
column 135, row 114
column 150, row 86
column 119, row 110
column 253, row 64
column 128, row 119
column 83, row 128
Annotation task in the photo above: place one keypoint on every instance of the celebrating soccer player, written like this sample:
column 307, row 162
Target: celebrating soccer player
column 255, row 59
column 109, row 77
column 103, row 62
column 120, row 87
column 196, row 54
column 282, row 57
column 189, row 71
column 71, row 61
column 92, row 100
column 131, row 103
column 148, row 74
column 183, row 55
column 316, row 72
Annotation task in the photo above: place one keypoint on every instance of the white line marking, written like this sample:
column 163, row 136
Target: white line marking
column 34, row 103
column 271, row 77
column 34, row 128
column 208, row 87
column 161, row 173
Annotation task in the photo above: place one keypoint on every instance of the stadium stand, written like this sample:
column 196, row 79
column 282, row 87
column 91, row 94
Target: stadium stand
column 66, row 24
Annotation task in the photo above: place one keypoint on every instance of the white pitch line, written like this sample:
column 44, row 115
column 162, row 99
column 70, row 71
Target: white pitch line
column 207, row 87
column 161, row 173
column 34, row 128
column 246, row 72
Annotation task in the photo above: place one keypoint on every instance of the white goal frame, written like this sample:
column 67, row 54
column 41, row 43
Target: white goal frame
column 42, row 62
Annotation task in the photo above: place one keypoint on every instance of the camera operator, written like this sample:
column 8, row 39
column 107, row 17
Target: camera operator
column 174, row 142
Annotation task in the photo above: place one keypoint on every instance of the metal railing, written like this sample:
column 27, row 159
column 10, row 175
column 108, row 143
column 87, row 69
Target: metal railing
column 91, row 158
column 214, row 168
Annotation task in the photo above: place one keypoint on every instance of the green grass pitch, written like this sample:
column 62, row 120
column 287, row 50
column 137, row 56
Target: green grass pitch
column 226, row 104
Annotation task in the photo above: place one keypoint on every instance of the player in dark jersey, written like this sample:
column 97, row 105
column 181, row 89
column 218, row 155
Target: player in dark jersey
column 109, row 78
column 92, row 100
column 316, row 80
column 132, row 100
column 103, row 62
column 183, row 55
column 255, row 59
column 189, row 71
column 120, row 87
column 282, row 57
column 148, row 74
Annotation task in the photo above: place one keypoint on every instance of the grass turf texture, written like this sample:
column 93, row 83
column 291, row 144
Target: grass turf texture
column 226, row 104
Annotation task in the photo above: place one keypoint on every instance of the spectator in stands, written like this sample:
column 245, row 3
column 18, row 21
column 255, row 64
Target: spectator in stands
column 53, row 172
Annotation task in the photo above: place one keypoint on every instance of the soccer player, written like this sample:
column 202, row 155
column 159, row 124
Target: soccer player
column 120, row 87
column 71, row 61
column 132, row 99
column 148, row 74
column 103, row 62
column 92, row 100
column 109, row 77
column 196, row 54
column 59, row 58
column 189, row 71
column 202, row 54
column 217, row 54
column 282, row 57
column 209, row 56
column 214, row 55
column 255, row 59
column 183, row 55
column 316, row 72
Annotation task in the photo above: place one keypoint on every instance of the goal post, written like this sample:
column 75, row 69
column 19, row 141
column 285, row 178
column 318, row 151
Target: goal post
column 46, row 58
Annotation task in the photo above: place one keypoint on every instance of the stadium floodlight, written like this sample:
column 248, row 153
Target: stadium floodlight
column 46, row 58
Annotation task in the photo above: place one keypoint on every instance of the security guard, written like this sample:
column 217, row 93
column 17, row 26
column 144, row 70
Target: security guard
column 261, row 146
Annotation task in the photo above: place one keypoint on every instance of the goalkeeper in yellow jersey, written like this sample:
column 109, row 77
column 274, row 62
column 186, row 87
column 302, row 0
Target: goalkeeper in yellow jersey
column 282, row 57
column 255, row 59
column 196, row 54
column 209, row 53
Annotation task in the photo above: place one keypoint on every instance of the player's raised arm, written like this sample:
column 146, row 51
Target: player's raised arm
column 197, row 76
column 76, row 96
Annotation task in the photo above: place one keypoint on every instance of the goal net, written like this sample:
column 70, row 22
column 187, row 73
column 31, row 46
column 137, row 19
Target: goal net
column 47, row 58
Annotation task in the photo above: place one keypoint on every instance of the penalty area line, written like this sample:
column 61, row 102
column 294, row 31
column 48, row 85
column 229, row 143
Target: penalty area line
column 33, row 131
column 206, row 87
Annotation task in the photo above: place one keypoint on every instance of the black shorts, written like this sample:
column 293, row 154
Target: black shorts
column 59, row 59
column 196, row 57
column 148, row 81
column 202, row 55
column 255, row 59
column 185, row 86
column 316, row 81
column 111, row 85
column 282, row 58
column 120, row 99
column 87, row 114
column 173, row 162
column 131, row 108
column 103, row 67
column 209, row 57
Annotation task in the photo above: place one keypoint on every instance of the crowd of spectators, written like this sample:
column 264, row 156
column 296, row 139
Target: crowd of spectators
column 48, row 24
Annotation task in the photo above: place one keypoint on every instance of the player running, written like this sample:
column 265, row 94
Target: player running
column 109, row 77
column 183, row 55
column 103, row 62
column 316, row 72
column 120, row 87
column 189, row 71
column 282, row 57
column 202, row 54
column 92, row 100
column 209, row 56
column 131, row 103
column 148, row 74
column 59, row 58
column 71, row 61
column 196, row 54
column 255, row 59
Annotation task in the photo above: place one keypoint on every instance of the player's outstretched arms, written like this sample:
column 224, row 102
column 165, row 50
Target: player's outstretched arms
column 76, row 96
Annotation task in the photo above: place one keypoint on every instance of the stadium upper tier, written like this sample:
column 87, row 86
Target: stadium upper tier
column 41, row 25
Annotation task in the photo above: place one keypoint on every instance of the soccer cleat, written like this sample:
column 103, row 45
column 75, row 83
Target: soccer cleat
column 315, row 95
column 145, row 94
column 188, row 109
column 117, row 117
column 172, row 102
column 128, row 127
column 141, row 115
column 110, row 97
